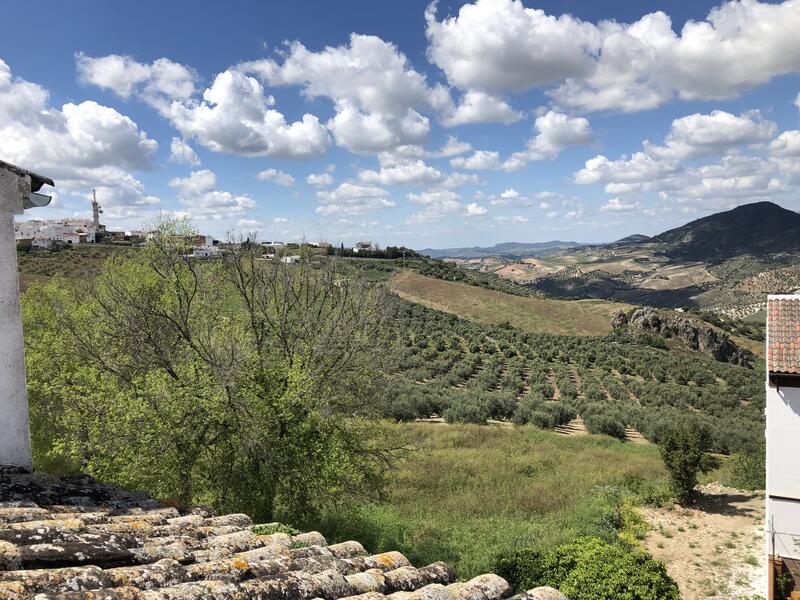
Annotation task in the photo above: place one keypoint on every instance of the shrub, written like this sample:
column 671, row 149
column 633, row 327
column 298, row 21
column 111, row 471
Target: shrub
column 468, row 410
column 748, row 469
column 606, row 424
column 590, row 569
column 683, row 449
column 270, row 528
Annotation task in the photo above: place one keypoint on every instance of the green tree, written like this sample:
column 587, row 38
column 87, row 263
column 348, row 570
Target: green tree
column 684, row 448
column 241, row 382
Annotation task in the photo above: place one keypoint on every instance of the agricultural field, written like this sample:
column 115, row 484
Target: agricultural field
column 465, row 371
column 535, row 315
column 36, row 266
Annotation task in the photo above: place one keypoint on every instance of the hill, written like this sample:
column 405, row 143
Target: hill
column 510, row 249
column 726, row 263
column 535, row 315
column 757, row 229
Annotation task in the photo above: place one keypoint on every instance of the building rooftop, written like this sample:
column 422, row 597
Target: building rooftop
column 783, row 334
column 37, row 181
column 73, row 538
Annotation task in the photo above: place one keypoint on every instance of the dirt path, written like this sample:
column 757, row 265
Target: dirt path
column 714, row 551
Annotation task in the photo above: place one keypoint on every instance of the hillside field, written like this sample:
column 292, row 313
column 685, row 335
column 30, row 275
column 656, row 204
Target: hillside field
column 509, row 487
column 533, row 315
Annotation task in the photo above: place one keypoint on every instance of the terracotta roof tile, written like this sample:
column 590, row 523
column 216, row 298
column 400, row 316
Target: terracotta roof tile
column 74, row 538
column 783, row 334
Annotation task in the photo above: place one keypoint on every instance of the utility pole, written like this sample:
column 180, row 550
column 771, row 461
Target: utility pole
column 18, row 191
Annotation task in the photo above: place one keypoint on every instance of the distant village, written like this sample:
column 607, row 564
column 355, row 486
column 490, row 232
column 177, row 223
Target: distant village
column 64, row 233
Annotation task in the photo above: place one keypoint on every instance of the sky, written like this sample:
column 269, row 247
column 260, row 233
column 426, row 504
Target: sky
column 405, row 123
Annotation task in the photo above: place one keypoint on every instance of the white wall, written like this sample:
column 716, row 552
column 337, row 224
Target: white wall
column 15, row 448
column 783, row 471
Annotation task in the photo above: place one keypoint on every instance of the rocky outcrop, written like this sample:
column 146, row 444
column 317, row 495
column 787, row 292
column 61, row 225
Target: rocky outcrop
column 688, row 332
column 75, row 539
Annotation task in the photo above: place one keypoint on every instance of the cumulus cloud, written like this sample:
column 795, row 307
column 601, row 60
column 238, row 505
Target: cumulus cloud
column 499, row 46
column 414, row 173
column 715, row 133
column 352, row 199
column 619, row 205
column 377, row 94
column 480, row 160
column 199, row 194
column 638, row 168
column 235, row 116
column 280, row 177
column 181, row 152
column 442, row 203
column 81, row 146
column 502, row 46
column 320, row 179
column 480, row 107
column 157, row 83
column 556, row 132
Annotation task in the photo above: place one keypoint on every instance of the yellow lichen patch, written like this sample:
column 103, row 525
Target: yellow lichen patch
column 240, row 564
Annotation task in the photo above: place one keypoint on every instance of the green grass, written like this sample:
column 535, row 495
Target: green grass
column 470, row 493
column 536, row 315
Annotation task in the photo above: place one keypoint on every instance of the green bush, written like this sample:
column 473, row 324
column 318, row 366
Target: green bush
column 590, row 569
column 467, row 410
column 606, row 424
column 270, row 528
column 683, row 449
column 748, row 469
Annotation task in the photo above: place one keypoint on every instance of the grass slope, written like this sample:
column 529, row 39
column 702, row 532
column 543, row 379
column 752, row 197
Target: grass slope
column 535, row 315
column 469, row 493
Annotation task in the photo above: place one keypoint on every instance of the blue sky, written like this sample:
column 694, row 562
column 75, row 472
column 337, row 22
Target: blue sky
column 405, row 122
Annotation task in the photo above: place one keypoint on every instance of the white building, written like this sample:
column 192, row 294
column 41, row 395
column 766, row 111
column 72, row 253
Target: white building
column 204, row 247
column 783, row 438
column 290, row 260
column 363, row 246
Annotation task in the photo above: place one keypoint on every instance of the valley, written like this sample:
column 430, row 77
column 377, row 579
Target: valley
column 720, row 263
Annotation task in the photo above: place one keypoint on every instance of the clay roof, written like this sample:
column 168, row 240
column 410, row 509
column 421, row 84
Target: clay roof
column 74, row 538
column 783, row 334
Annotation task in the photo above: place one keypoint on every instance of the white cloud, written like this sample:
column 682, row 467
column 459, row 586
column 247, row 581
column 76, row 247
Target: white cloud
column 157, row 83
column 619, row 205
column 280, row 177
column 81, row 146
column 640, row 167
column 442, row 203
column 199, row 194
column 556, row 132
column 715, row 133
column 376, row 93
column 502, row 46
column 320, row 179
column 480, row 107
column 415, row 173
column 786, row 145
column 514, row 219
column 181, row 152
column 499, row 45
column 456, row 180
column 480, row 160
column 352, row 199
column 236, row 117
column 250, row 223
column 280, row 220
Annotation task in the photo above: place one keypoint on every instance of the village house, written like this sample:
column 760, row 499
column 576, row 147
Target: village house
column 363, row 247
column 782, row 525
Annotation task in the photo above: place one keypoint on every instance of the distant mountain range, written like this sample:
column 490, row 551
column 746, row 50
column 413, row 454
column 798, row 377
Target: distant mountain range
column 725, row 262
column 506, row 249
column 758, row 229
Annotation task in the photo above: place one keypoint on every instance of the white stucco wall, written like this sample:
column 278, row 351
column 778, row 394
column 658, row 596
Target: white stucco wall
column 15, row 447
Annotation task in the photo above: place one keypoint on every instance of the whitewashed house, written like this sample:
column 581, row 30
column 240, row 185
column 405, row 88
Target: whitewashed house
column 204, row 247
column 782, row 523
